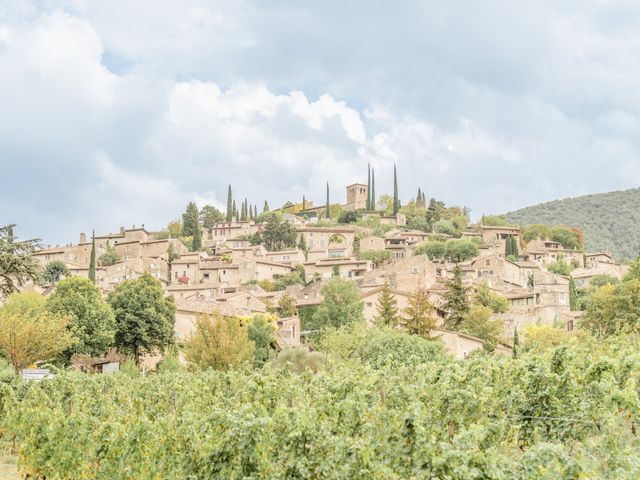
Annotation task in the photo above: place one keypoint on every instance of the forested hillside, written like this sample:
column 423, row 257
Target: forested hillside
column 611, row 221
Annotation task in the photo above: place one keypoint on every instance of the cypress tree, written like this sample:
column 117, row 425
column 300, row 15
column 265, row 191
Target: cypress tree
column 265, row 208
column 419, row 198
column 368, row 206
column 304, row 203
column 373, row 190
column 456, row 300
column 92, row 258
column 230, row 209
column 396, row 198
column 424, row 201
column 516, row 343
column 196, row 240
column 327, row 212
column 190, row 220
column 387, row 307
column 255, row 211
column 573, row 295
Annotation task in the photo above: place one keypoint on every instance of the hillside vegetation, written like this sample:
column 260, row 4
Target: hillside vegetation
column 610, row 221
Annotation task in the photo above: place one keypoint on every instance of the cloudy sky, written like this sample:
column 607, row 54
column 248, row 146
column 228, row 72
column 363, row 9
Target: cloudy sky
column 120, row 112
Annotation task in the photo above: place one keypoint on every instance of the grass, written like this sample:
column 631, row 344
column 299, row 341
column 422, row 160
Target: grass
column 8, row 470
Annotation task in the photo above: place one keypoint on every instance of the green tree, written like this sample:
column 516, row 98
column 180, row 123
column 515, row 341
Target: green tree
column 29, row 332
column 190, row 220
column 373, row 190
column 278, row 234
column 613, row 309
column 145, row 319
column 260, row 331
column 368, row 203
column 335, row 271
column 209, row 216
column 376, row 257
column 385, row 204
column 286, row 306
column 479, row 323
column 516, row 343
column 91, row 319
column 433, row 249
column 634, row 271
column 456, row 300
column 574, row 299
column 461, row 250
column 387, row 308
column 511, row 248
column 494, row 221
column 396, row 198
column 109, row 257
column 17, row 265
column 560, row 267
column 341, row 305
column 92, row 258
column 53, row 272
column 434, row 212
column 230, row 207
column 327, row 212
column 265, row 207
column 196, row 240
column 487, row 298
column 218, row 342
column 419, row 314
column 303, row 247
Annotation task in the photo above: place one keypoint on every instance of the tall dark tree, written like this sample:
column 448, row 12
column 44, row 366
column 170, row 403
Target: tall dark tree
column 230, row 208
column 265, row 208
column 234, row 210
column 573, row 295
column 304, row 203
column 419, row 198
column 419, row 318
column 196, row 239
column 327, row 212
column 17, row 265
column 456, row 300
column 190, row 220
column 396, row 198
column 92, row 258
column 373, row 189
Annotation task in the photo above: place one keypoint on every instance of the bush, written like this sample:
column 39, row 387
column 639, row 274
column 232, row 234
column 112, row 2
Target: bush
column 298, row 360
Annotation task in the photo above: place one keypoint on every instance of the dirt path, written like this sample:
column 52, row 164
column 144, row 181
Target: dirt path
column 8, row 469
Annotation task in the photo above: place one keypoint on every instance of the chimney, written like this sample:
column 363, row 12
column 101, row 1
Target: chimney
column 121, row 230
column 83, row 237
column 133, row 227
column 143, row 226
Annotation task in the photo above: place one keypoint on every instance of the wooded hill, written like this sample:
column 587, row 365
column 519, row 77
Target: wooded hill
column 610, row 221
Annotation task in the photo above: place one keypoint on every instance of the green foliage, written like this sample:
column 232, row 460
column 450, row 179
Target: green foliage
column 376, row 257
column 91, row 320
column 145, row 319
column 396, row 198
column 171, row 362
column 278, row 234
column 560, row 267
column 456, row 300
column 29, row 332
column 349, row 216
column 634, row 271
column 53, row 272
column 387, row 308
column 109, row 257
column 298, row 360
column 613, row 309
column 446, row 227
column 286, row 306
column 488, row 298
column 218, row 342
column 565, row 413
column 511, row 247
column 190, row 220
column 479, row 323
column 419, row 316
column 495, row 221
column 610, row 220
column 341, row 305
column 454, row 250
column 573, row 295
column 230, row 205
column 260, row 331
column 435, row 250
column 92, row 259
column 209, row 216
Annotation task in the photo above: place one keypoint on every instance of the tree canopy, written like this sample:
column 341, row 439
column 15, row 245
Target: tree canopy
column 17, row 265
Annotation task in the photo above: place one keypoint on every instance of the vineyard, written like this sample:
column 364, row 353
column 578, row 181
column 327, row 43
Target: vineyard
column 565, row 413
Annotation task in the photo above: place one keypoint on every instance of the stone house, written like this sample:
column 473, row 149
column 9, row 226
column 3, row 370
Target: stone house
column 349, row 268
column 371, row 244
column 335, row 242
column 370, row 302
column 397, row 245
column 498, row 235
column 288, row 332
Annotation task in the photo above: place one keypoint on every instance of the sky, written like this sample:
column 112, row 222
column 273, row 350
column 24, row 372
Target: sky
column 120, row 113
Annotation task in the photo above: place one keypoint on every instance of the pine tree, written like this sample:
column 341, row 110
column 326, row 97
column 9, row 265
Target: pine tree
column 327, row 213
column 573, row 295
column 230, row 208
column 368, row 206
column 456, row 300
column 387, row 307
column 396, row 198
column 265, row 208
column 373, row 190
column 196, row 240
column 419, row 318
column 92, row 258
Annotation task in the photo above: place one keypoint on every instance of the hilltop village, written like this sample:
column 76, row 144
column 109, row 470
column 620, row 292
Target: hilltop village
column 245, row 262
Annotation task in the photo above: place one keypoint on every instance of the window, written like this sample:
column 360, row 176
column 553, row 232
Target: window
column 206, row 276
column 369, row 304
column 293, row 331
column 414, row 269
column 488, row 262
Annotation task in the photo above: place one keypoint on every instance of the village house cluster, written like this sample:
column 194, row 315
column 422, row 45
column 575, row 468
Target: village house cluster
column 226, row 277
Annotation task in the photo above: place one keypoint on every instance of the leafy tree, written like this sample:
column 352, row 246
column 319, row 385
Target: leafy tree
column 190, row 220
column 568, row 238
column 53, row 272
column 286, row 306
column 478, row 323
column 511, row 247
column 91, row 319
column 573, row 295
column 335, row 271
column 494, row 221
column 535, row 232
column 613, row 309
column 435, row 250
column 265, row 207
column 461, row 250
column 487, row 298
column 376, row 257
column 634, row 271
column 446, row 227
column 385, row 204
column 348, row 216
column 218, row 342
column 545, row 337
column 341, row 305
column 278, row 234
column 303, row 247
column 230, row 207
column 29, row 332
column 396, row 198
column 456, row 301
column 174, row 228
column 560, row 267
column 209, row 216
column 92, row 258
column 145, row 319
column 516, row 343
column 109, row 257
column 298, row 360
column 387, row 308
column 435, row 211
column 260, row 331
column 419, row 314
